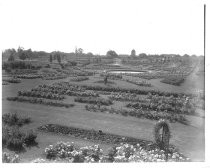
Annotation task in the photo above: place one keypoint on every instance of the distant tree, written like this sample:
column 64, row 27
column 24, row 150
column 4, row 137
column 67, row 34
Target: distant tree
column 89, row 54
column 80, row 51
column 21, row 53
column 12, row 55
column 133, row 53
column 51, row 58
column 58, row 58
column 142, row 55
column 111, row 53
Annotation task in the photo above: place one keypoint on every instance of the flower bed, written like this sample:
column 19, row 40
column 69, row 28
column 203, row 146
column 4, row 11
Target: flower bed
column 93, row 135
column 93, row 100
column 126, row 97
column 12, row 80
column 173, row 80
column 82, row 94
column 112, row 76
column 79, row 79
column 127, row 149
column 41, row 95
column 139, row 113
column 182, row 105
column 139, row 83
column 135, row 91
column 29, row 76
column 39, row 101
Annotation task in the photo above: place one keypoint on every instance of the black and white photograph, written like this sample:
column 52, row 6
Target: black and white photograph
column 103, row 81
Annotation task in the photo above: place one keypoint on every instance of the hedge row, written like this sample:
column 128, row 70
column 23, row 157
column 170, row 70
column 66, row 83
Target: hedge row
column 39, row 101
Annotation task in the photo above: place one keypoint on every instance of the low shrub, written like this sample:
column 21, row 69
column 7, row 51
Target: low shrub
column 14, row 119
column 10, row 158
column 14, row 139
column 30, row 138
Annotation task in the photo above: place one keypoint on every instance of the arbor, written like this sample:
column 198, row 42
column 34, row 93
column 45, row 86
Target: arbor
column 133, row 53
column 111, row 53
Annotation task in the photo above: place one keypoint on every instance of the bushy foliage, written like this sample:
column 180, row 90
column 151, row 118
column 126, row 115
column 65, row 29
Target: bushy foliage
column 30, row 137
column 10, row 158
column 14, row 139
column 14, row 119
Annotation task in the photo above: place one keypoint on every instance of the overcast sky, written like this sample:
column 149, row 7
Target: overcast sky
column 149, row 26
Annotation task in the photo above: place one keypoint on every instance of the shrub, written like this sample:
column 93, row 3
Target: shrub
column 12, row 138
column 30, row 138
column 10, row 158
column 14, row 119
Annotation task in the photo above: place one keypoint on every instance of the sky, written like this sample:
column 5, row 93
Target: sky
column 148, row 26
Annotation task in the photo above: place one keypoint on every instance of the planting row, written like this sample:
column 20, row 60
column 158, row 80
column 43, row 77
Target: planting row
column 93, row 135
column 46, row 95
column 65, row 90
column 161, row 107
column 126, row 97
column 173, row 80
column 29, row 76
column 139, row 83
column 139, row 113
column 39, row 101
column 93, row 100
column 12, row 80
column 79, row 79
column 136, row 91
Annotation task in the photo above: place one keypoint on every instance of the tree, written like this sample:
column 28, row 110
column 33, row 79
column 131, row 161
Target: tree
column 51, row 58
column 111, row 53
column 133, row 53
column 80, row 51
column 142, row 55
column 21, row 53
column 58, row 58
column 12, row 55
